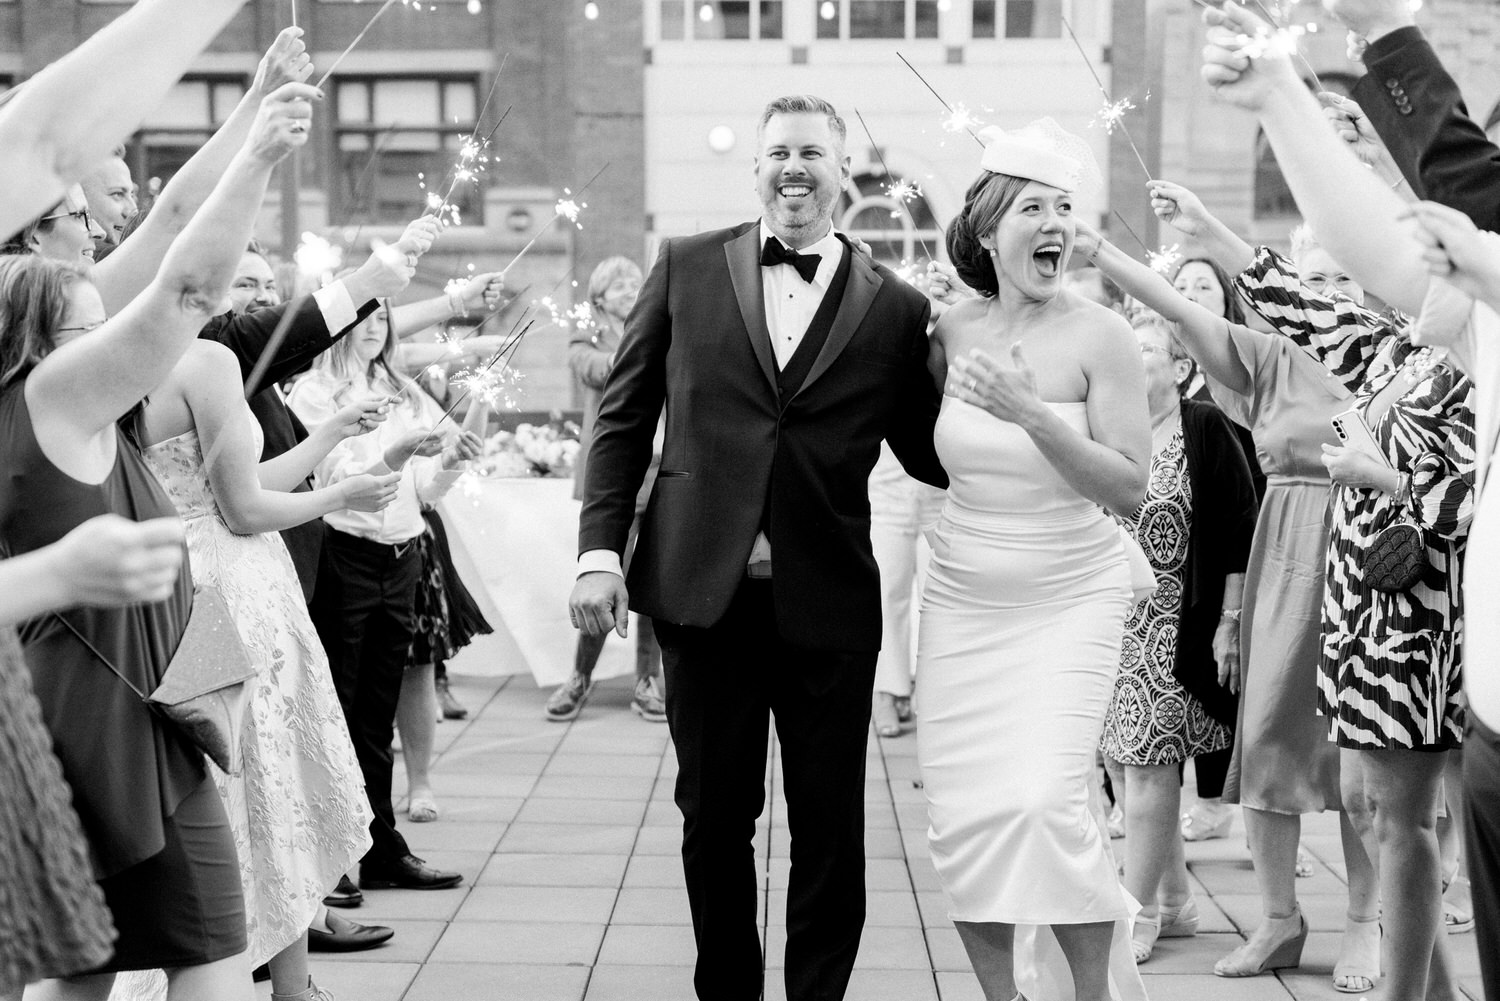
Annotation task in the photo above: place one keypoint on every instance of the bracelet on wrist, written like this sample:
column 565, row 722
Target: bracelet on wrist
column 1230, row 615
column 456, row 305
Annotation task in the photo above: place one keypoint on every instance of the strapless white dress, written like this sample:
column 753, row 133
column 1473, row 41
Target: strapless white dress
column 1022, row 617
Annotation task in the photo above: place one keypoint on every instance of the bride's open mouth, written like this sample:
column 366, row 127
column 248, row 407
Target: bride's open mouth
column 1048, row 259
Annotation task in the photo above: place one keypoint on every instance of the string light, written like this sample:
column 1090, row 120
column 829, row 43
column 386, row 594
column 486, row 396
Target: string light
column 591, row 11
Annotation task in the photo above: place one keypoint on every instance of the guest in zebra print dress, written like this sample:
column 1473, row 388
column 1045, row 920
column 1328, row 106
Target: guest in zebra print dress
column 1389, row 679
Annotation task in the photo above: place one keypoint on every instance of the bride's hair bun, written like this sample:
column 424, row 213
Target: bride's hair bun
column 987, row 200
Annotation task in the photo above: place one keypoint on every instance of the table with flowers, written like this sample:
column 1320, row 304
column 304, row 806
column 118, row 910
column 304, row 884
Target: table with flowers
column 513, row 527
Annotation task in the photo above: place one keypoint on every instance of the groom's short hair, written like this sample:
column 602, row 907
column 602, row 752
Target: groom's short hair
column 805, row 104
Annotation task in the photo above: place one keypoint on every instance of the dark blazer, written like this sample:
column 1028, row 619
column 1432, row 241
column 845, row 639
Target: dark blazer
column 308, row 336
column 1223, row 525
column 1418, row 111
column 738, row 456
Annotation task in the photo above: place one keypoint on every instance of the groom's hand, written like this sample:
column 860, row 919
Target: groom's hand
column 600, row 603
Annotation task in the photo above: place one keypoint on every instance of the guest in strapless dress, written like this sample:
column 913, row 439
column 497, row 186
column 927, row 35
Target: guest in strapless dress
column 1029, row 585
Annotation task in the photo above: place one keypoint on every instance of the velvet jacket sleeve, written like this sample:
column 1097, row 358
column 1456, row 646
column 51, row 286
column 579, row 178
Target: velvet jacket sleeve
column 1416, row 107
column 248, row 334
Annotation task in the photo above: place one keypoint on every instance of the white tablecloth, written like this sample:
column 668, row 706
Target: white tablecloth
column 515, row 543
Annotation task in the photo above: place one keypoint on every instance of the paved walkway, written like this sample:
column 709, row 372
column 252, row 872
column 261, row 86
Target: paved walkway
column 568, row 841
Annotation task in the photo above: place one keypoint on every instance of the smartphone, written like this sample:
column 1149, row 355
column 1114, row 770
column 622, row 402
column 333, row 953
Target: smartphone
column 1355, row 433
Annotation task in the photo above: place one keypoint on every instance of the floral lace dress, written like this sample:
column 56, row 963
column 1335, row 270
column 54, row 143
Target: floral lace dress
column 298, row 808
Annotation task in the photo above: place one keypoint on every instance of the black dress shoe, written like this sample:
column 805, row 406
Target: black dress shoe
column 405, row 873
column 261, row 973
column 346, row 894
column 346, row 936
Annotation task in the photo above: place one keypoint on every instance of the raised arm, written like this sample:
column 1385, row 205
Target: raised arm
column 1204, row 335
column 291, row 468
column 1356, row 215
column 1184, row 211
column 225, row 426
column 69, row 116
column 480, row 293
column 88, row 383
column 122, row 275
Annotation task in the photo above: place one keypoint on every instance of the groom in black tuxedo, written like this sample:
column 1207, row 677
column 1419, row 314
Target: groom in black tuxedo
column 783, row 357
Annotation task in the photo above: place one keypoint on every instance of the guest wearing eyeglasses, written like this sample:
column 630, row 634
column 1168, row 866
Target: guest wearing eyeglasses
column 66, row 232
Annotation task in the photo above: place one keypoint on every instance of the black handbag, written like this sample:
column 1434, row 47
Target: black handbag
column 1396, row 558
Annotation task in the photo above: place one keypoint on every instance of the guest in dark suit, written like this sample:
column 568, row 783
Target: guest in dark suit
column 783, row 358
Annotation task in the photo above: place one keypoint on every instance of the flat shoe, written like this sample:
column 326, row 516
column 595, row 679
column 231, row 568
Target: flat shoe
column 422, row 810
column 346, row 936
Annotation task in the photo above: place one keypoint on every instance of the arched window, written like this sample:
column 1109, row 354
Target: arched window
column 895, row 232
column 1273, row 199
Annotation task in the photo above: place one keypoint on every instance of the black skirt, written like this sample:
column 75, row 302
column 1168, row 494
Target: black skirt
column 448, row 617
column 182, row 906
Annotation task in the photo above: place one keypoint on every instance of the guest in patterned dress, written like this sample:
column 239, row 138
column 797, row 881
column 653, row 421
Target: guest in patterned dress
column 1283, row 765
column 1170, row 701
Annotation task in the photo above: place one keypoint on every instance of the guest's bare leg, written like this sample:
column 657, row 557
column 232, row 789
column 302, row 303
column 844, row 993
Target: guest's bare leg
column 228, row 979
column 94, row 988
column 1359, row 964
column 1087, row 950
column 1273, row 848
column 416, row 718
column 289, row 973
column 991, row 949
column 1402, row 788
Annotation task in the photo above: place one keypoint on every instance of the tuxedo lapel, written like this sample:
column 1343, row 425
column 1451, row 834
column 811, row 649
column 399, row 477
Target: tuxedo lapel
column 859, row 295
column 743, row 254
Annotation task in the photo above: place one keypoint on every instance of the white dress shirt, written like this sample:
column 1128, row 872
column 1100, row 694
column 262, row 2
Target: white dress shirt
column 790, row 305
column 316, row 397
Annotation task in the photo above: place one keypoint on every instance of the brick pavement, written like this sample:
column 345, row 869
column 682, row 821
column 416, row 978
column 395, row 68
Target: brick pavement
column 567, row 837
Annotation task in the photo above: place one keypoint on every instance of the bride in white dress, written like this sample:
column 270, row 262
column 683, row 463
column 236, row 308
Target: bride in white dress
column 1043, row 430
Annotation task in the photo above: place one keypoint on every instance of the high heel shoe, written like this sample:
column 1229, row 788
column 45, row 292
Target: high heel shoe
column 1286, row 954
column 1179, row 922
column 1361, row 974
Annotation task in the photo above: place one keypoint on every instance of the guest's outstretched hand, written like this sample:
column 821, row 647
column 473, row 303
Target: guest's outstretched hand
column 1006, row 391
column 944, row 286
column 481, row 293
column 1243, row 61
column 360, row 418
column 286, row 61
column 1178, row 207
column 369, row 491
column 281, row 123
column 111, row 560
column 1459, row 252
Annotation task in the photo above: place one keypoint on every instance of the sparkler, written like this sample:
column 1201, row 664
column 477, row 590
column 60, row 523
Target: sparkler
column 482, row 379
column 473, row 159
column 1113, row 112
column 901, row 192
column 360, row 37
column 566, row 208
column 1164, row 260
column 959, row 118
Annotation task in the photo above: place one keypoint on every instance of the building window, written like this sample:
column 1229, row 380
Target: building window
column 877, row 18
column 392, row 129
column 712, row 20
column 179, row 126
column 897, row 234
column 1017, row 18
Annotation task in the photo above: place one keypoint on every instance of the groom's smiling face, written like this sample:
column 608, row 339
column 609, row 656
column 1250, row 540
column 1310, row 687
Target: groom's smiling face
column 800, row 169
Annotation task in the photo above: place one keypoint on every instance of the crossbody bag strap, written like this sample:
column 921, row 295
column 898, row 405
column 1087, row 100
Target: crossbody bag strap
column 102, row 659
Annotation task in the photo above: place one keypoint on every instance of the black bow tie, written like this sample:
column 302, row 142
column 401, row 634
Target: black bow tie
column 775, row 252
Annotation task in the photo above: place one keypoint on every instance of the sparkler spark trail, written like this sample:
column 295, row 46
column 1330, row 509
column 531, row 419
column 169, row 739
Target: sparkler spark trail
column 473, row 158
column 1109, row 104
column 566, row 208
column 901, row 191
column 959, row 118
column 1164, row 260
column 1113, row 114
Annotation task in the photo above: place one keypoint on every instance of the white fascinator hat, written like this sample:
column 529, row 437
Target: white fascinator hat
column 1042, row 151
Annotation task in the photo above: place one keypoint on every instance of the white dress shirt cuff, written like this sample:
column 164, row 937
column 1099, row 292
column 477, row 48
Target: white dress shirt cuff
column 600, row 561
column 337, row 306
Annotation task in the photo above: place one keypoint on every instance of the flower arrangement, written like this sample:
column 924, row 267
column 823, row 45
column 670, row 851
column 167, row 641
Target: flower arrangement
column 533, row 450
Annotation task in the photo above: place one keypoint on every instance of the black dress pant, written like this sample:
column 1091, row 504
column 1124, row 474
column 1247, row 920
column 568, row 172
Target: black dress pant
column 724, row 685
column 365, row 613
column 1482, row 843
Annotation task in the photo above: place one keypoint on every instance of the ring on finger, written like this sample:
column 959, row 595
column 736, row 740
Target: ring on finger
column 973, row 384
